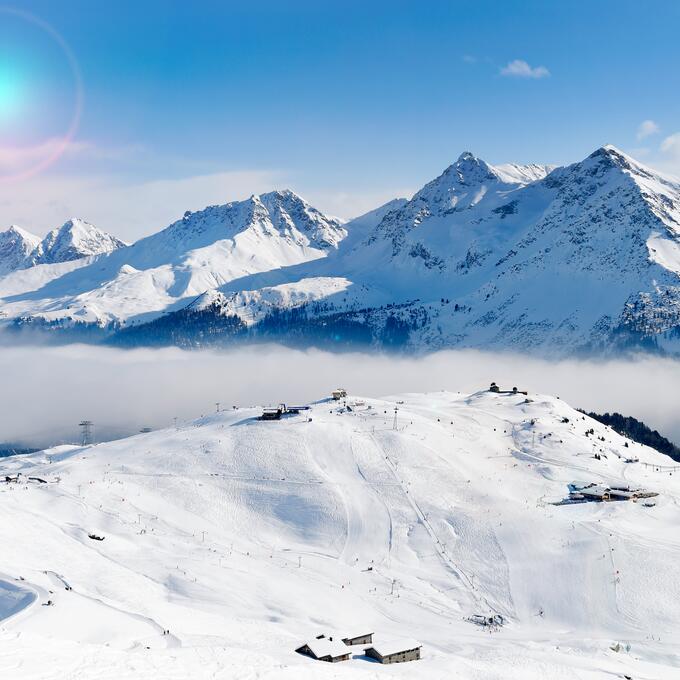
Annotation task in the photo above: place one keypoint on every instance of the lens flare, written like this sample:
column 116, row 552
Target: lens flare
column 14, row 100
column 11, row 91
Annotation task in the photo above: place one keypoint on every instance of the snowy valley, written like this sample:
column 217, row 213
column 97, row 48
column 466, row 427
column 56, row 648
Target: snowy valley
column 216, row 547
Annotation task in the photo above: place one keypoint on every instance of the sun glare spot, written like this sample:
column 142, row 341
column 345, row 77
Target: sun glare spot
column 11, row 91
column 40, row 95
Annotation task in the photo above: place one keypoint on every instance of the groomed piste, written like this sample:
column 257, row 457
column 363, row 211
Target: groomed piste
column 225, row 542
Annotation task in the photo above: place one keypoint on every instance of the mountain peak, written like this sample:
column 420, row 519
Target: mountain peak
column 469, row 160
column 75, row 238
column 286, row 209
column 16, row 245
column 608, row 150
column 472, row 169
column 466, row 156
column 610, row 154
column 75, row 223
column 467, row 171
column 282, row 194
column 17, row 232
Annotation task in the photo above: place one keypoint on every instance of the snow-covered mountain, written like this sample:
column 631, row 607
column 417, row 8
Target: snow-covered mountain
column 202, row 251
column 587, row 256
column 215, row 548
column 584, row 258
column 73, row 240
column 16, row 245
column 279, row 225
column 512, row 173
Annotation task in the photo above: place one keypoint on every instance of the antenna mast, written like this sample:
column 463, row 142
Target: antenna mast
column 85, row 432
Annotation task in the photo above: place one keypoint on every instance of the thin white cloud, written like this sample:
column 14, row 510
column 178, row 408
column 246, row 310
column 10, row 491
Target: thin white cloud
column 671, row 145
column 518, row 68
column 664, row 159
column 647, row 128
column 469, row 59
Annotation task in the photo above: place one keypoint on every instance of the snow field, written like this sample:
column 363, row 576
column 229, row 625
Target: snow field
column 242, row 538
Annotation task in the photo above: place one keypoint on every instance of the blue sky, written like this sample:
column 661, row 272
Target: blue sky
column 348, row 103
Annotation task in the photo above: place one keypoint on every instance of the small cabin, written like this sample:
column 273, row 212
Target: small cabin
column 363, row 639
column 338, row 394
column 643, row 493
column 621, row 494
column 271, row 414
column 325, row 649
column 577, row 486
column 596, row 493
column 394, row 651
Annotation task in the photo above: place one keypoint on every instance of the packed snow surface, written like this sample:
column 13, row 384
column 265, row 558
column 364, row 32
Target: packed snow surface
column 229, row 541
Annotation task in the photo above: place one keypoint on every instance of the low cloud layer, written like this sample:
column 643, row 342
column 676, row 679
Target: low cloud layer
column 47, row 391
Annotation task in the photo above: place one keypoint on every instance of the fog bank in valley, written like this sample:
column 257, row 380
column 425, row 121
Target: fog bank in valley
column 46, row 391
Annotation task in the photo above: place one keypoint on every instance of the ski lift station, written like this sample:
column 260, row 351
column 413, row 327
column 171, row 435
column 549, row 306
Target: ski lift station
column 497, row 390
column 276, row 412
column 339, row 393
column 271, row 413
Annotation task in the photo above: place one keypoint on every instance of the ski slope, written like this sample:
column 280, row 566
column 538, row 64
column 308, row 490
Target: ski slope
column 228, row 541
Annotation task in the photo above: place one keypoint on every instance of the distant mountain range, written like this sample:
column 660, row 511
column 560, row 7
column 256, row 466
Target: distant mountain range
column 72, row 241
column 582, row 259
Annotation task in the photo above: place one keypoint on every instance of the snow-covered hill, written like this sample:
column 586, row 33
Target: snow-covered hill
column 580, row 259
column 402, row 517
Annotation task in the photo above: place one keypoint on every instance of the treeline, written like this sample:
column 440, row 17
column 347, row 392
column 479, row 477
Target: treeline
column 388, row 327
column 637, row 431
column 10, row 450
column 315, row 324
column 184, row 328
